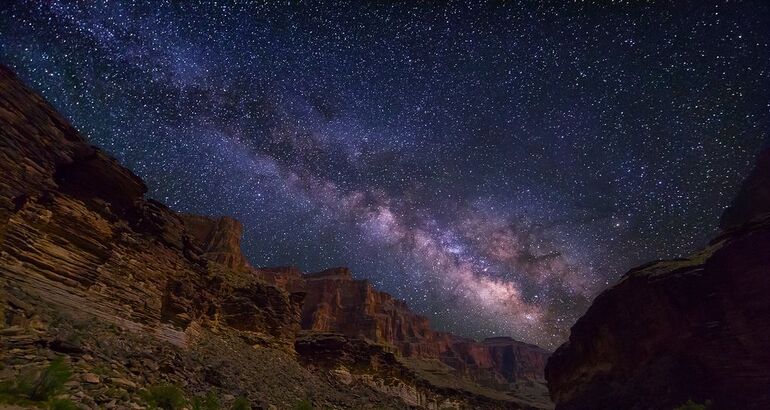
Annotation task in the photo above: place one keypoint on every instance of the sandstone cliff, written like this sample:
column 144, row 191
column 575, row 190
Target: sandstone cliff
column 687, row 329
column 335, row 302
column 133, row 294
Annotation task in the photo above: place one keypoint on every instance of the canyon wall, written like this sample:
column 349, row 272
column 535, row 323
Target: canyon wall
column 695, row 328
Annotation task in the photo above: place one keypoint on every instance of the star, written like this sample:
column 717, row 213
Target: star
column 494, row 165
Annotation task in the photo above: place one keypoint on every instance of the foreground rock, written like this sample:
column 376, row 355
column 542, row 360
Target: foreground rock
column 687, row 329
column 132, row 294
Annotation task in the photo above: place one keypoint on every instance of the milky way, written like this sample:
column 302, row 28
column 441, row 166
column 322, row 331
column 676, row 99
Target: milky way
column 494, row 165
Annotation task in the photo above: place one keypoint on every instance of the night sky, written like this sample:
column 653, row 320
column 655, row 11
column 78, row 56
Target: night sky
column 495, row 165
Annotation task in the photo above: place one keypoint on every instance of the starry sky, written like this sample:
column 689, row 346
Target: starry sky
column 494, row 164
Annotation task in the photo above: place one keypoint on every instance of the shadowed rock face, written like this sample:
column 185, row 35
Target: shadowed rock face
column 342, row 356
column 753, row 199
column 516, row 360
column 670, row 331
column 79, row 239
column 336, row 303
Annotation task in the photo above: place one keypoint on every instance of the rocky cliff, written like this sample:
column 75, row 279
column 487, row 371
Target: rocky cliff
column 132, row 294
column 335, row 302
column 77, row 232
column 687, row 329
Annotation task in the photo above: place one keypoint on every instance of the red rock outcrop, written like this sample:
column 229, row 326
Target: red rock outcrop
column 289, row 278
column 345, row 357
column 337, row 303
column 686, row 329
column 516, row 360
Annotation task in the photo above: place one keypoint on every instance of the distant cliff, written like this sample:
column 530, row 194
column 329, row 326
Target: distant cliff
column 335, row 302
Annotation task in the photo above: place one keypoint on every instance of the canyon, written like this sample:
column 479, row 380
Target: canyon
column 133, row 294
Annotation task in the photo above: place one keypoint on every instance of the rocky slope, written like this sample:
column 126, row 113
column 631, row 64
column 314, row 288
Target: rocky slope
column 132, row 294
column 686, row 329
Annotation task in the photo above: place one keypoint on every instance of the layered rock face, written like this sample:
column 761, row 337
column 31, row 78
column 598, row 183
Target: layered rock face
column 516, row 360
column 76, row 231
column 342, row 355
column 336, row 303
column 218, row 239
column 156, row 296
column 695, row 328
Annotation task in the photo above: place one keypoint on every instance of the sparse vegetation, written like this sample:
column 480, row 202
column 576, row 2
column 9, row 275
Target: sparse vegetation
column 101, row 370
column 164, row 397
column 62, row 404
column 241, row 403
column 303, row 405
column 209, row 402
column 118, row 393
column 36, row 387
column 691, row 405
column 49, row 381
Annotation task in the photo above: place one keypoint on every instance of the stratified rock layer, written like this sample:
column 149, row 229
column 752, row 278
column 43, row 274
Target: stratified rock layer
column 335, row 302
column 671, row 331
column 344, row 357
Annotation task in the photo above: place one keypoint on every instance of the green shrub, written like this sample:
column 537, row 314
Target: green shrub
column 241, row 403
column 36, row 386
column 60, row 404
column 210, row 402
column 303, row 405
column 10, row 395
column 50, row 381
column 164, row 396
column 691, row 405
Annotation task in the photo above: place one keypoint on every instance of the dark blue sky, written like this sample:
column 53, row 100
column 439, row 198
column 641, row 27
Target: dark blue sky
column 494, row 165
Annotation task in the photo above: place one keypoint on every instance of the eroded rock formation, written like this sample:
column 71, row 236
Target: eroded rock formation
column 753, row 199
column 78, row 232
column 335, row 302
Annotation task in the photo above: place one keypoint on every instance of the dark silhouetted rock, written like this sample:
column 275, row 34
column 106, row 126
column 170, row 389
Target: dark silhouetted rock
column 671, row 331
column 753, row 199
